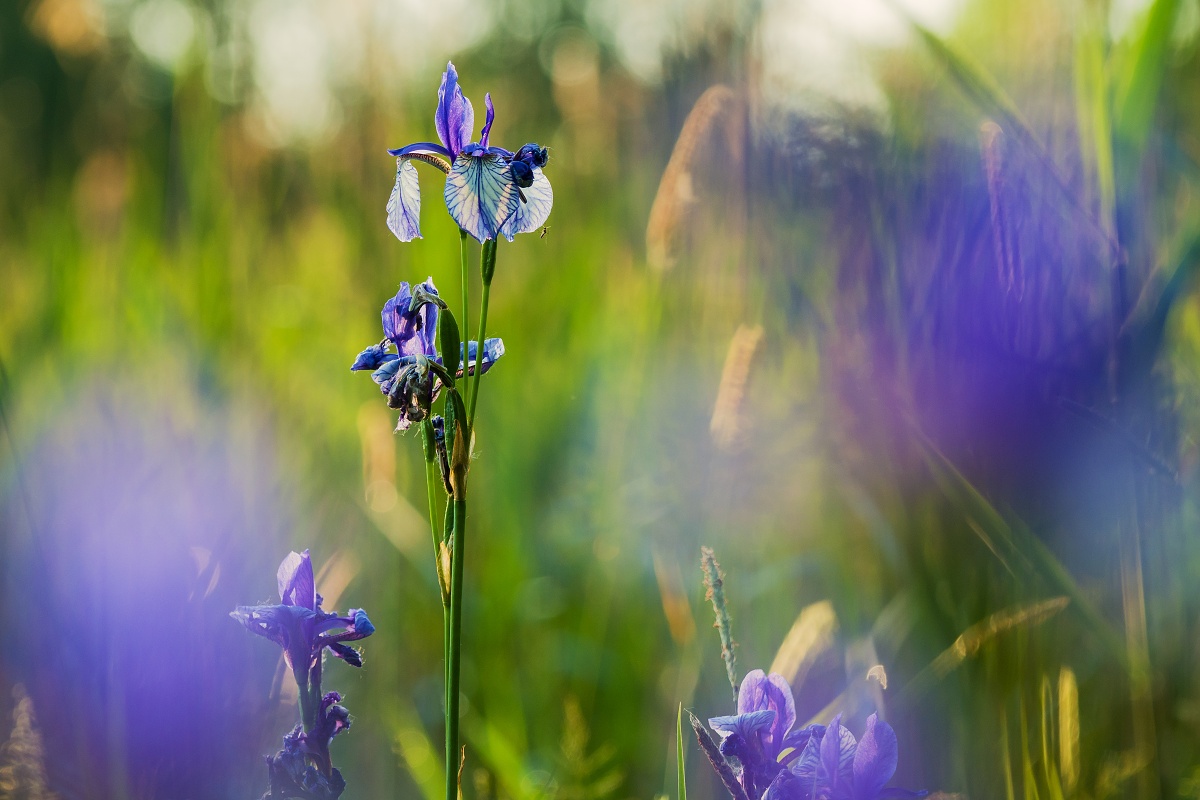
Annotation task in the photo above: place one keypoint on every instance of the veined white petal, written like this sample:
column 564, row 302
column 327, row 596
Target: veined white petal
column 481, row 195
column 404, row 205
column 532, row 214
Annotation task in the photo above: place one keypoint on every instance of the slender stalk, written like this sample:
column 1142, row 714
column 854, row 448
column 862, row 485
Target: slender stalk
column 314, row 685
column 483, row 311
column 455, row 663
column 432, row 481
column 487, row 268
column 466, row 326
column 307, row 710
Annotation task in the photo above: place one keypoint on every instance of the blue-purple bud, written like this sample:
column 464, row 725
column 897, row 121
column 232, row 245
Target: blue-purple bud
column 362, row 624
column 522, row 174
column 373, row 357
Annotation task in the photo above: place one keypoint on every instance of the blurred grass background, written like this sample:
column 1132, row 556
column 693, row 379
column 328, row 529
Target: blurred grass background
column 907, row 333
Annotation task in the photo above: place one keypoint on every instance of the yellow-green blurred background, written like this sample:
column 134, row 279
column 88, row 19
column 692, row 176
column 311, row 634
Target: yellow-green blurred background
column 899, row 318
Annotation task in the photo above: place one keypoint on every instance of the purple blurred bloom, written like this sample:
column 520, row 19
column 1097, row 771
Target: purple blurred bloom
column 303, row 767
column 761, row 732
column 292, row 776
column 299, row 625
column 489, row 191
column 834, row 766
column 811, row 763
column 766, row 712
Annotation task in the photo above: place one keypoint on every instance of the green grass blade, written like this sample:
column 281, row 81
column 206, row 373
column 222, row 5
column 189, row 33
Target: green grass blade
column 1094, row 118
column 1136, row 87
column 680, row 764
column 1016, row 547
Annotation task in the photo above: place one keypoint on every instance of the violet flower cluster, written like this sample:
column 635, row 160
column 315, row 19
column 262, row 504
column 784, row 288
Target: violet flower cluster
column 298, row 624
column 774, row 762
column 405, row 376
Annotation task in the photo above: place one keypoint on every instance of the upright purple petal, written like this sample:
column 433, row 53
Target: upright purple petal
column 413, row 332
column 761, row 691
column 798, row 739
column 835, row 775
column 425, row 343
column 296, row 584
column 455, row 119
column 393, row 311
column 874, row 759
column 487, row 125
column 808, row 764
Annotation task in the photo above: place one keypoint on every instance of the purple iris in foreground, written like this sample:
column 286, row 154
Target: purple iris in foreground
column 299, row 625
column 303, row 768
column 409, row 325
column 761, row 731
column 837, row 767
column 812, row 763
column 489, row 192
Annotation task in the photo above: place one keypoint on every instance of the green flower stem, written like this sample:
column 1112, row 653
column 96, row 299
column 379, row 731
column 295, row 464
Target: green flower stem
column 432, row 481
column 483, row 311
column 466, row 283
column 455, row 639
column 307, row 709
column 487, row 268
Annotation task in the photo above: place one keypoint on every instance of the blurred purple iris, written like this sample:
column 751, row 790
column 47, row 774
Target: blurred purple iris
column 303, row 768
column 490, row 191
column 762, row 730
column 300, row 626
column 837, row 767
column 813, row 763
column 410, row 324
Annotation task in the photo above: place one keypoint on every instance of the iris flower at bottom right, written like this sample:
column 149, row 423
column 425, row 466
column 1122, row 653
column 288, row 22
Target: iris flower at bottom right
column 835, row 766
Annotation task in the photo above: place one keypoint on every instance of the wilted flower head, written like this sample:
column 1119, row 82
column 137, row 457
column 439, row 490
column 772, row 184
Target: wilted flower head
column 299, row 625
column 292, row 776
column 489, row 191
column 410, row 325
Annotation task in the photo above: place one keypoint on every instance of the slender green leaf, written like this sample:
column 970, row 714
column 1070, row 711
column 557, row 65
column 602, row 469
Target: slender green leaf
column 1093, row 115
column 1016, row 547
column 1136, row 86
column 680, row 763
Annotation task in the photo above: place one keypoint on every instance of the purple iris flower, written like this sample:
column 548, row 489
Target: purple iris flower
column 761, row 731
column 411, row 330
column 834, row 766
column 300, row 626
column 410, row 325
column 489, row 191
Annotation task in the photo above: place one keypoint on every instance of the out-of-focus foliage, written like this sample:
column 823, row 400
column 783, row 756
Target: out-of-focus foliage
column 922, row 371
